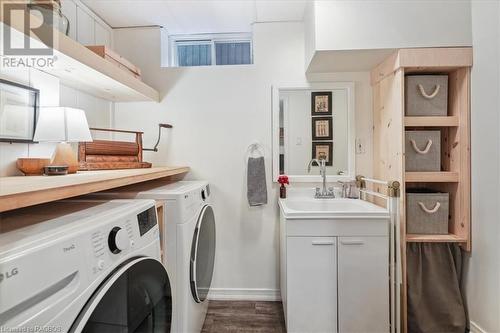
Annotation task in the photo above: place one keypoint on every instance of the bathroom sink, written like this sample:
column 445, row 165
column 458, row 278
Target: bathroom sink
column 301, row 204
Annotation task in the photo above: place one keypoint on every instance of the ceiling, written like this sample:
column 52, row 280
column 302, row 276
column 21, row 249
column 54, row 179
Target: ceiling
column 197, row 16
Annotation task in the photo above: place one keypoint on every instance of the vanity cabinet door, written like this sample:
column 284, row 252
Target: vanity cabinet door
column 363, row 284
column 311, row 284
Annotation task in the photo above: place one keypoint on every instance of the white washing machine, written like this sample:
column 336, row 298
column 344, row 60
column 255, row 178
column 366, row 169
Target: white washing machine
column 83, row 266
column 189, row 244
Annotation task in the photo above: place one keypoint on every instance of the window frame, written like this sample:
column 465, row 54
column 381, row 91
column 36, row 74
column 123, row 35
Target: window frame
column 207, row 39
column 193, row 42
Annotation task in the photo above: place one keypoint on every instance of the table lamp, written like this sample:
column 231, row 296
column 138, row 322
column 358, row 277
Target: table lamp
column 63, row 125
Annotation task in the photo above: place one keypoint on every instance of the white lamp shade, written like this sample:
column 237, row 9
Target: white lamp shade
column 50, row 126
column 77, row 127
column 61, row 124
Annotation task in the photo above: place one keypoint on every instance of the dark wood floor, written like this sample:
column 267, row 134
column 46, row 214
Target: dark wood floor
column 244, row 317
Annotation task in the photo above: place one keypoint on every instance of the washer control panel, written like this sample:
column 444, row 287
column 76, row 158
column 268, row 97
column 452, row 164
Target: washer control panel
column 98, row 243
column 118, row 240
column 147, row 220
column 109, row 243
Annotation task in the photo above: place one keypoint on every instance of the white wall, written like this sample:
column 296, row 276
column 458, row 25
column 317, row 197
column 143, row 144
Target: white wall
column 217, row 112
column 309, row 32
column 379, row 24
column 350, row 35
column 483, row 271
column 147, row 57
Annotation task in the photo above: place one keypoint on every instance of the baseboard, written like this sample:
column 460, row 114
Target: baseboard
column 475, row 328
column 246, row 294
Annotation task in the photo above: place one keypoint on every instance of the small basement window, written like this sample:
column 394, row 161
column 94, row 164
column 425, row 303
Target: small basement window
column 210, row 50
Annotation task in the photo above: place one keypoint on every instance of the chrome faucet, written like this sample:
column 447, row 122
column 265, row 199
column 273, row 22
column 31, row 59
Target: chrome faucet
column 324, row 193
column 346, row 188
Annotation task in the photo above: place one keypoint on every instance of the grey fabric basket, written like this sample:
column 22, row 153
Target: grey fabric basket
column 427, row 213
column 426, row 95
column 423, row 150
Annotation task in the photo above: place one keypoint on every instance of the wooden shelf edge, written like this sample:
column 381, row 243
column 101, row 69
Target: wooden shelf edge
column 450, row 238
column 451, row 121
column 432, row 177
column 52, row 188
column 436, row 59
column 72, row 55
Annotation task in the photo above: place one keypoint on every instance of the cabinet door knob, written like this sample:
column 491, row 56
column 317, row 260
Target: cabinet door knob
column 352, row 242
column 322, row 242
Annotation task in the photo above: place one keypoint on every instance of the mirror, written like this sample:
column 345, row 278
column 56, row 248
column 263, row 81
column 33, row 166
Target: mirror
column 18, row 112
column 314, row 121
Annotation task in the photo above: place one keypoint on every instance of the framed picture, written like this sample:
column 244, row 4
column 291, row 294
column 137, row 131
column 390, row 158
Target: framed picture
column 322, row 128
column 18, row 112
column 323, row 150
column 321, row 103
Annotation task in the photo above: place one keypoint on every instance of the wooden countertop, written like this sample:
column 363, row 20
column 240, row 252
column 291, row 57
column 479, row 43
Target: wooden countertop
column 23, row 191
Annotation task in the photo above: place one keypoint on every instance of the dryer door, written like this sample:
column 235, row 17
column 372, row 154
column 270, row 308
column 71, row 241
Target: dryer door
column 203, row 254
column 136, row 298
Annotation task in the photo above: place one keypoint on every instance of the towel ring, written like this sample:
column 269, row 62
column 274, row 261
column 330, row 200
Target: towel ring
column 255, row 148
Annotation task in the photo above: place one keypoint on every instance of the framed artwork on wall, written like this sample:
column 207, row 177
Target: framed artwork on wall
column 323, row 150
column 322, row 128
column 18, row 112
column 321, row 103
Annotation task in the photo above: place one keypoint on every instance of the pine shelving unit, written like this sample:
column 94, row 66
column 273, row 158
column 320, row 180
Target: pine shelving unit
column 432, row 177
column 390, row 123
column 449, row 121
column 415, row 238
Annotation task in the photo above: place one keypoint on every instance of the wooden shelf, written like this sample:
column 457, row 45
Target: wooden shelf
column 78, row 67
column 388, row 81
column 451, row 121
column 432, row 177
column 423, row 60
column 450, row 238
column 24, row 191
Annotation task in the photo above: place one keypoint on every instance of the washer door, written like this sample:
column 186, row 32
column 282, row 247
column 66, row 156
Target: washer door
column 136, row 298
column 203, row 254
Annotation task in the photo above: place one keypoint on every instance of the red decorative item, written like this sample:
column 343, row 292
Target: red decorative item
column 283, row 180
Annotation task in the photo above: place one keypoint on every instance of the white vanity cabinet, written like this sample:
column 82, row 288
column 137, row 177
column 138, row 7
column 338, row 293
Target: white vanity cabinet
column 363, row 284
column 335, row 272
column 312, row 284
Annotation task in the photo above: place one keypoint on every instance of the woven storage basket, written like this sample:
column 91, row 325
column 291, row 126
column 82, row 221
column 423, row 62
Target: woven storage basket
column 427, row 213
column 426, row 95
column 423, row 150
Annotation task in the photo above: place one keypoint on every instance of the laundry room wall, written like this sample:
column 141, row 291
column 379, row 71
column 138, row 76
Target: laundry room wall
column 483, row 269
column 217, row 111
